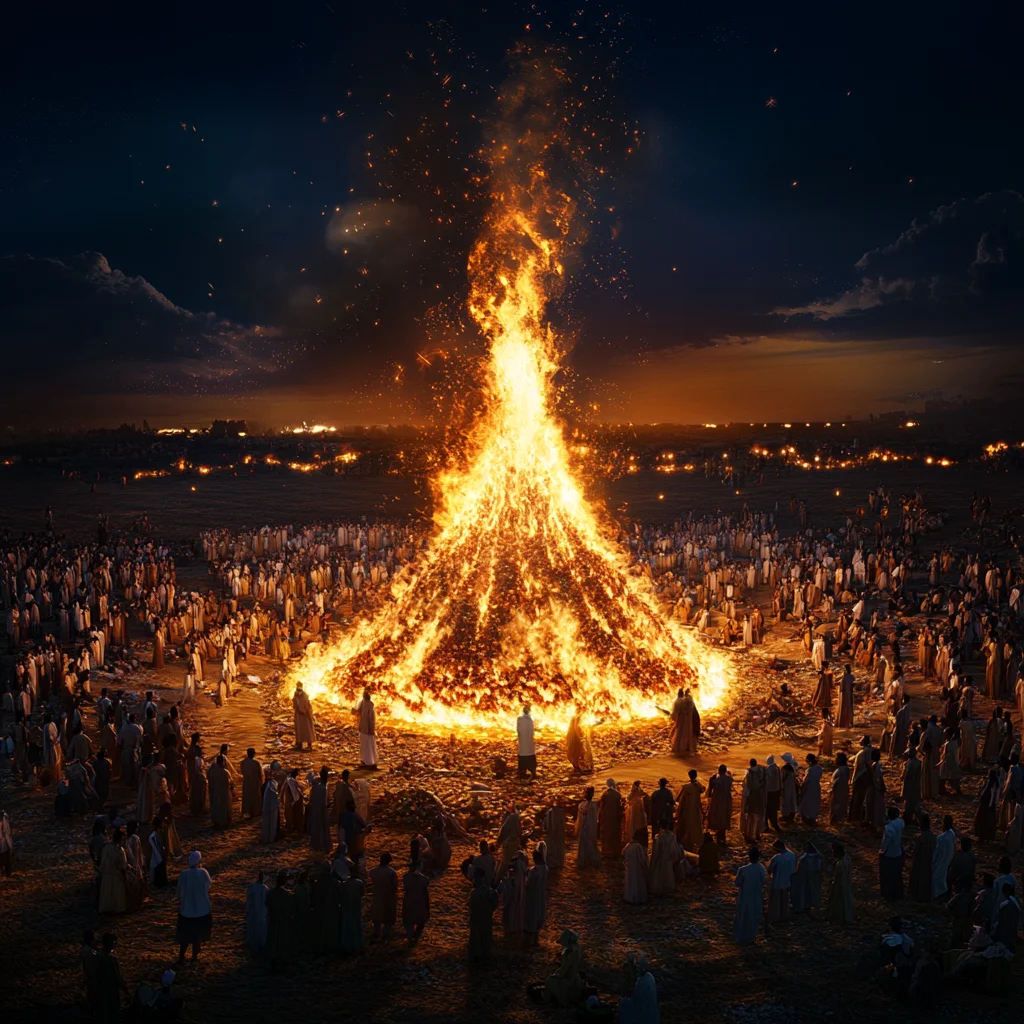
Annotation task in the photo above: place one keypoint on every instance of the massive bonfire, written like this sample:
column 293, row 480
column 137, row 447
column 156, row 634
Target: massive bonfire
column 523, row 593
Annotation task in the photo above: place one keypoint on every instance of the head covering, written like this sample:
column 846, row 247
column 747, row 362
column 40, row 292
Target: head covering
column 642, row 964
column 194, row 858
column 611, row 783
column 568, row 938
column 771, row 760
column 788, row 757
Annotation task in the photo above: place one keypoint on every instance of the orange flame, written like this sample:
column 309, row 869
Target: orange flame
column 523, row 593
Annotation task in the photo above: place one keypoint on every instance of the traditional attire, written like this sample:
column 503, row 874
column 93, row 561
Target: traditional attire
column 750, row 881
column 634, row 886
column 270, row 827
column 839, row 907
column 587, row 853
column 367, row 733
column 610, row 821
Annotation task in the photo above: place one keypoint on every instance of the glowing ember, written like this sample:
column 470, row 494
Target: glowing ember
column 522, row 593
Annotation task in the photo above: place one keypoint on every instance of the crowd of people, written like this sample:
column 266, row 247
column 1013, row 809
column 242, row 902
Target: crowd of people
column 862, row 599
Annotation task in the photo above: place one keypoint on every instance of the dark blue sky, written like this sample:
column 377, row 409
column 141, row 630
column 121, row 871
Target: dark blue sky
column 177, row 182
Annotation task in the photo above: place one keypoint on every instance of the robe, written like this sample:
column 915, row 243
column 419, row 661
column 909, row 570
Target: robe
column 919, row 887
column 535, row 901
column 566, row 987
column 482, row 903
column 665, row 856
column 367, row 732
column 587, row 853
column 749, row 882
column 113, row 880
column 554, row 828
column 810, row 793
column 317, row 824
column 911, row 791
column 270, row 827
column 415, row 899
column 384, row 904
column 305, row 728
column 689, row 816
column 352, row 915
column 634, row 886
column 805, row 887
column 256, row 917
column 641, row 1007
column 252, row 780
column 280, row 943
column 685, row 726
column 945, row 847
column 610, row 823
column 720, row 803
column 221, row 795
column 839, row 907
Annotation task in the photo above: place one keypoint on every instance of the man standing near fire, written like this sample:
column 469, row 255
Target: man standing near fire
column 527, row 751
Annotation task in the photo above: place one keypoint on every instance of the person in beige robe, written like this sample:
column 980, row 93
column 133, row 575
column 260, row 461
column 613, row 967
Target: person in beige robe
column 367, row 731
column 689, row 813
column 577, row 746
column 685, row 724
column 305, row 727
column 113, row 876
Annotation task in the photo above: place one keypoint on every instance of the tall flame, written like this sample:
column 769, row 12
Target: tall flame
column 522, row 594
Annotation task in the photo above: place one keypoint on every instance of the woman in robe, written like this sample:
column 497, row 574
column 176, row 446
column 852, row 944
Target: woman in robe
column 949, row 764
column 577, row 746
column 635, row 818
column 256, row 915
column 136, row 862
column 317, row 822
column 634, row 887
column 825, row 735
column 749, row 882
column 609, row 821
column 587, row 853
column 810, row 791
column 113, row 876
column 665, row 857
column 839, row 907
column 535, row 902
column 270, row 828
column 415, row 903
column 968, row 742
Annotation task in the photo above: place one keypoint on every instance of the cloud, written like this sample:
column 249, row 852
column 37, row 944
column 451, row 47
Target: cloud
column 960, row 269
column 96, row 325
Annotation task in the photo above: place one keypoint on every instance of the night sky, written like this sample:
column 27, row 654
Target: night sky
column 802, row 211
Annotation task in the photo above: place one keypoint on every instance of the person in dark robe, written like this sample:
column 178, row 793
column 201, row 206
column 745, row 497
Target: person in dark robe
column 384, row 906
column 609, row 821
column 920, row 883
column 222, row 794
column 964, row 865
column 662, row 804
column 352, row 915
column 415, row 903
column 110, row 982
column 317, row 822
column 1007, row 919
column 862, row 781
column 294, row 804
column 280, row 947
column 890, row 857
column 101, row 773
column 482, row 903
column 303, row 923
column 901, row 730
column 252, row 781
column 911, row 792
column 987, row 816
column 720, row 803
column 708, row 860
column 326, row 907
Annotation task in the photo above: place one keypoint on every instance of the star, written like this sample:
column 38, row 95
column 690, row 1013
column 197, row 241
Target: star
column 772, row 103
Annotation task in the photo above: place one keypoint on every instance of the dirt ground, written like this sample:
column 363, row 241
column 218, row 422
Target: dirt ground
column 806, row 970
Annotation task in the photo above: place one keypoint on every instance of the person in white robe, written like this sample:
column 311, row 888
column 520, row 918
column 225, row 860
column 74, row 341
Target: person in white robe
column 367, row 731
